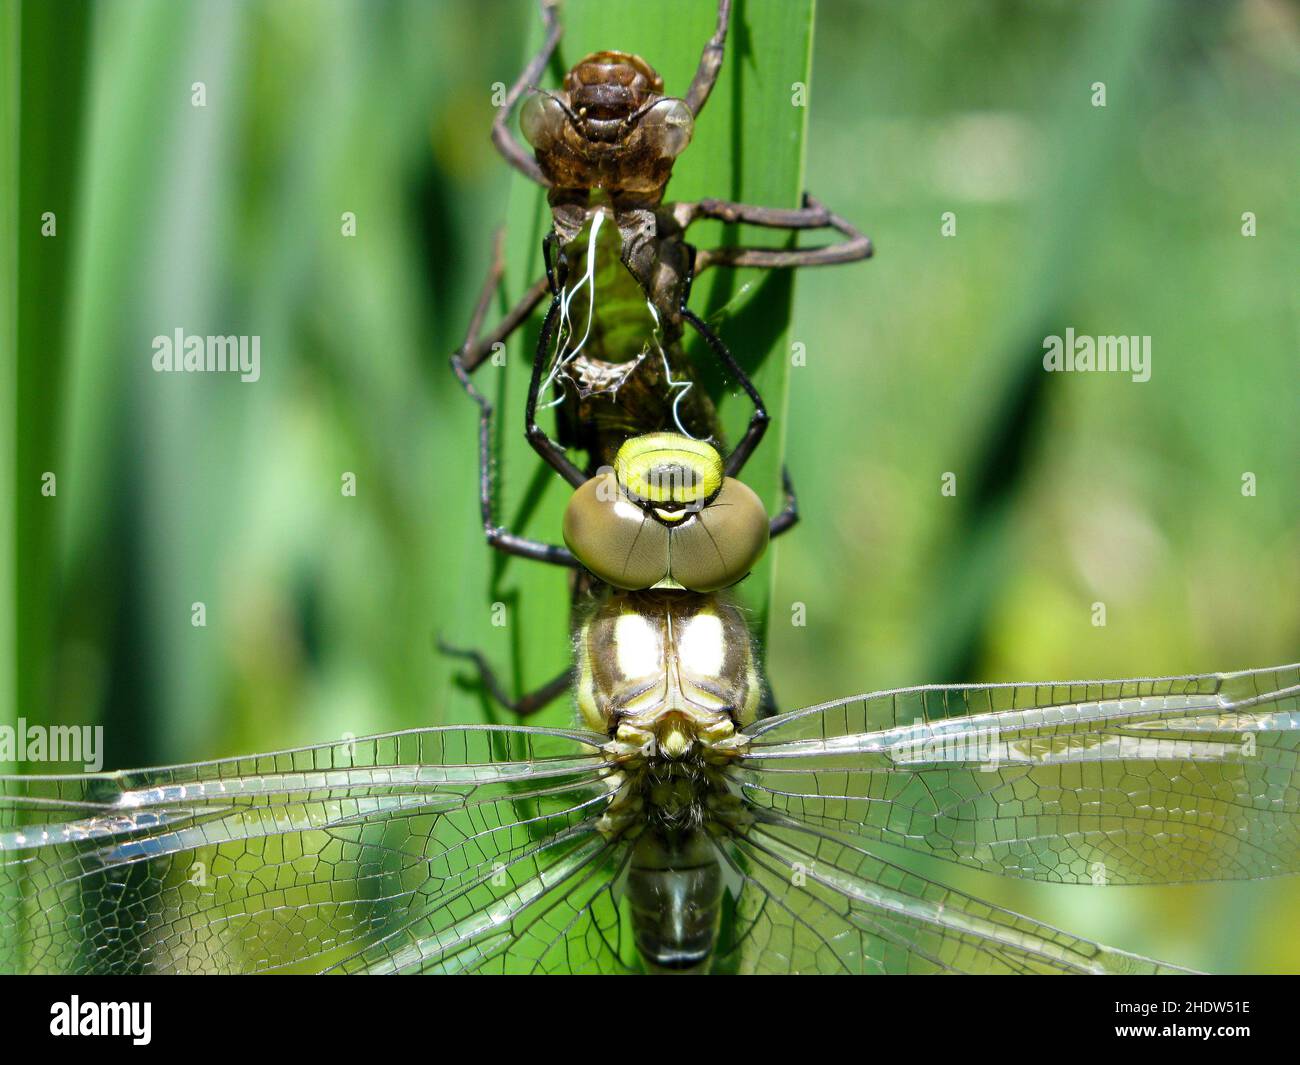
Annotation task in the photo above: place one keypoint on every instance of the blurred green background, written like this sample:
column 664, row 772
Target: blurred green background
column 321, row 609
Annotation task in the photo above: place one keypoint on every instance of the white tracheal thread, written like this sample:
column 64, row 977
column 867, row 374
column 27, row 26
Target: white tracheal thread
column 685, row 386
column 564, row 355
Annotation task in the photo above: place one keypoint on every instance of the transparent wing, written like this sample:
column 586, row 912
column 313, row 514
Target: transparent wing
column 1128, row 781
column 446, row 848
column 813, row 903
column 554, row 911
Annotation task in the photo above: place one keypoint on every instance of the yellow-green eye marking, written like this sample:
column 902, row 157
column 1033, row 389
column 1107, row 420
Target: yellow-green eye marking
column 670, row 470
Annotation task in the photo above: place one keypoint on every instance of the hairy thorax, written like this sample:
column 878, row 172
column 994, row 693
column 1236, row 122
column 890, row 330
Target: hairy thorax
column 668, row 675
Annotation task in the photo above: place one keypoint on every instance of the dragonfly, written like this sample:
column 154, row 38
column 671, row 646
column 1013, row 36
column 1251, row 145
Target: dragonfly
column 619, row 270
column 714, row 808
column 677, row 827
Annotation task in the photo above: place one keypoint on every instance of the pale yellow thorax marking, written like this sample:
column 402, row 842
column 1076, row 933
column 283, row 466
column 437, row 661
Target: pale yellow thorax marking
column 636, row 642
column 587, row 705
column 702, row 646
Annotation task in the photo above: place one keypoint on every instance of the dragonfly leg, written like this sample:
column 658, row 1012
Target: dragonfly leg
column 706, row 75
column 499, row 538
column 758, row 421
column 813, row 215
column 526, row 704
column 543, row 444
column 788, row 518
column 515, row 153
column 477, row 346
column 464, row 362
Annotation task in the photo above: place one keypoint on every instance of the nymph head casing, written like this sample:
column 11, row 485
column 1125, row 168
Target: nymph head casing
column 610, row 127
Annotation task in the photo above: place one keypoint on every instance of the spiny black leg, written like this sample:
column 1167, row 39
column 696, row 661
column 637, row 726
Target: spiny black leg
column 463, row 363
column 706, row 75
column 813, row 215
column 475, row 351
column 515, row 153
column 788, row 518
column 758, row 421
column 476, row 348
column 497, row 537
column 543, row 444
column 526, row 704
column 550, row 249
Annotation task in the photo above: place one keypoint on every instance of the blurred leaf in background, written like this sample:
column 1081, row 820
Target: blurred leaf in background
column 1073, row 489
column 320, row 608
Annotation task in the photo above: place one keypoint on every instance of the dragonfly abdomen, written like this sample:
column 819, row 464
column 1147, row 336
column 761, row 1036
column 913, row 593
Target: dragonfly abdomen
column 674, row 888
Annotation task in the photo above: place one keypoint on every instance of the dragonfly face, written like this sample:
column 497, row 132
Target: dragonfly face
column 665, row 516
column 610, row 128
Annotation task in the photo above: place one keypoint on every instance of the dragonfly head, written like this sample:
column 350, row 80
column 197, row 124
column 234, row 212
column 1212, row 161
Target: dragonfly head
column 666, row 516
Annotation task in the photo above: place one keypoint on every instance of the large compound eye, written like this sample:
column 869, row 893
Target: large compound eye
column 669, row 123
column 669, row 471
column 541, row 119
column 723, row 543
column 614, row 538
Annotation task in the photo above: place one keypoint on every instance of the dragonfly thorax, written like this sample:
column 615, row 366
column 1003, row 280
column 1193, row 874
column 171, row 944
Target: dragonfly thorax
column 666, row 675
column 651, row 790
